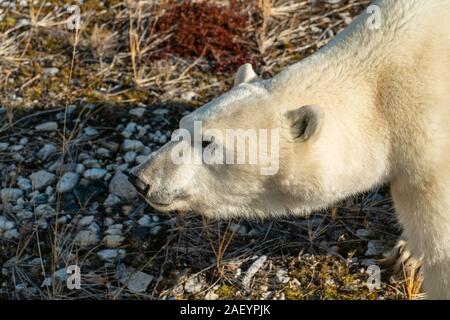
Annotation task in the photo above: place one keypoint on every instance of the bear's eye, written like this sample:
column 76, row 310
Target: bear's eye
column 205, row 144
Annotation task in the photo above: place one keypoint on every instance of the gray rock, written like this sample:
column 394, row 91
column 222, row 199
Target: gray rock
column 43, row 225
column 162, row 139
column 51, row 71
column 141, row 131
column 160, row 111
column 95, row 173
column 121, row 187
column 4, row 146
column 16, row 147
column 111, row 254
column 130, row 156
column 155, row 230
column 376, row 197
column 11, row 234
column 90, row 132
column 20, row 211
column 374, row 248
column 6, row 224
column 363, row 233
column 368, row 262
column 67, row 182
column 94, row 227
column 91, row 163
column 47, row 282
column 282, row 275
column 141, row 159
column 137, row 112
column 103, row 152
column 146, row 151
column 113, row 240
column 111, row 200
column 57, row 166
column 129, row 130
column 49, row 191
column 115, row 229
column 108, row 221
column 37, row 198
column 193, row 285
column 24, row 214
column 132, row 145
column 47, row 126
column 79, row 168
column 61, row 274
column 145, row 221
column 71, row 109
column 10, row 194
column 20, row 287
column 42, row 179
column 24, row 184
column 64, row 219
column 108, row 176
column 18, row 157
column 139, row 282
column 238, row 229
column 44, row 210
column 87, row 238
column 47, row 151
column 85, row 221
column 333, row 250
column 254, row 233
column 211, row 295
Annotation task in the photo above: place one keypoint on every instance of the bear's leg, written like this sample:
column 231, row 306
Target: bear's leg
column 424, row 213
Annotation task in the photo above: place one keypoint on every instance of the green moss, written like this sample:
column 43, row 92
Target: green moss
column 302, row 275
column 10, row 22
column 226, row 291
column 292, row 294
column 330, row 293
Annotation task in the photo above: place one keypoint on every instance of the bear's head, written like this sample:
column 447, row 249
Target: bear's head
column 248, row 153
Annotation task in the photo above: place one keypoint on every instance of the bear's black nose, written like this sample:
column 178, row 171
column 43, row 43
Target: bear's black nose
column 138, row 183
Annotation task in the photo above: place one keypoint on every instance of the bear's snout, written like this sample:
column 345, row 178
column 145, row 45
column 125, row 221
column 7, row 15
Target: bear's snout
column 140, row 185
column 157, row 195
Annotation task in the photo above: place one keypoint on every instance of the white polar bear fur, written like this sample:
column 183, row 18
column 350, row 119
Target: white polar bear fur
column 385, row 95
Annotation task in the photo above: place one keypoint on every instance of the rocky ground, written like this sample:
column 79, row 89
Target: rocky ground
column 79, row 110
column 71, row 204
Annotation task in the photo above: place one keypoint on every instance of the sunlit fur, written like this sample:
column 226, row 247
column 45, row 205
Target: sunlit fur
column 385, row 95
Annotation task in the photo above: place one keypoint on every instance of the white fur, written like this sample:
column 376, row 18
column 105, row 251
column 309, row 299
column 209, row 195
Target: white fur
column 385, row 95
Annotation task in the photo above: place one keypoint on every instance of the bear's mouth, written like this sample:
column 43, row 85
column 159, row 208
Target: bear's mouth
column 172, row 203
column 159, row 204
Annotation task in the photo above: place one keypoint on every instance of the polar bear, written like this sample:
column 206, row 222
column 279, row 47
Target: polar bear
column 371, row 107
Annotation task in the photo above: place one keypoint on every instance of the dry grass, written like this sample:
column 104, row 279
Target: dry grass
column 118, row 49
column 114, row 60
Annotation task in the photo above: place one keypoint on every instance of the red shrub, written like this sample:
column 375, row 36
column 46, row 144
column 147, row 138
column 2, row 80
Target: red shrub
column 208, row 29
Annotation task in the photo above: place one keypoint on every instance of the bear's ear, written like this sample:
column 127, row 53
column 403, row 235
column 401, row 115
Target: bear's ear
column 245, row 74
column 305, row 122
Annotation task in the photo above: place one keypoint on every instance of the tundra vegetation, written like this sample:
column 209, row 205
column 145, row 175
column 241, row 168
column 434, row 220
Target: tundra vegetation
column 80, row 107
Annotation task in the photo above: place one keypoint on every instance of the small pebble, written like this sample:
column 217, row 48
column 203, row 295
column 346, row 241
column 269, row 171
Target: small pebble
column 47, row 126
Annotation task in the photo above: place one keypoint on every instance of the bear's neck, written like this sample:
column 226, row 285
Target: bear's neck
column 350, row 79
column 364, row 49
